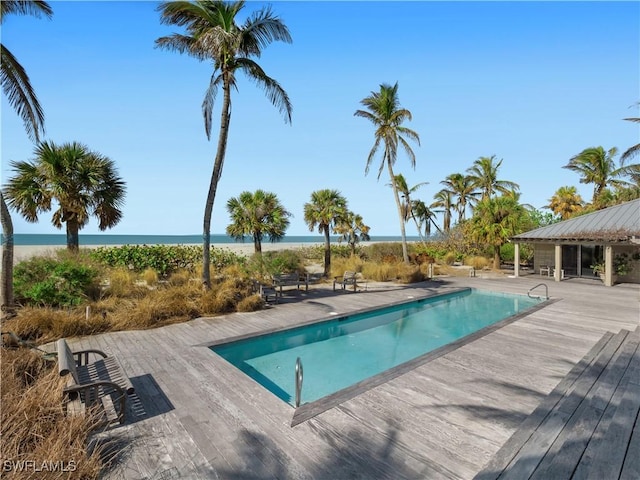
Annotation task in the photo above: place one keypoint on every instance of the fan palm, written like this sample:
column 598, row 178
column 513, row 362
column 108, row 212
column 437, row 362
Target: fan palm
column 257, row 214
column 384, row 111
column 326, row 209
column 81, row 182
column 484, row 176
column 495, row 220
column 212, row 33
column 565, row 202
column 352, row 230
column 598, row 167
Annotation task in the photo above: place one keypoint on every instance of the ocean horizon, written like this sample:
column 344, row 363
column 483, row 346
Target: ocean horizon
column 54, row 239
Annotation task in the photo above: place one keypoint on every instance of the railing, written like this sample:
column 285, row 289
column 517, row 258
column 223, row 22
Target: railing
column 546, row 291
column 299, row 379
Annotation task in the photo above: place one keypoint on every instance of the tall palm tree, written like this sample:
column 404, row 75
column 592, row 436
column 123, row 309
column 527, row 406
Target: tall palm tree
column 213, row 34
column 633, row 150
column 81, row 182
column 326, row 209
column 444, row 201
column 565, row 202
column 352, row 230
column 463, row 190
column 257, row 214
column 384, row 111
column 406, row 202
column 21, row 96
column 484, row 176
column 598, row 167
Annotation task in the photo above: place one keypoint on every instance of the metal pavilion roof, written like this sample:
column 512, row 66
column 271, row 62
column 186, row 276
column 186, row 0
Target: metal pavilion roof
column 620, row 223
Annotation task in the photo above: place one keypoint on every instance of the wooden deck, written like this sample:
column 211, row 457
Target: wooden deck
column 199, row 417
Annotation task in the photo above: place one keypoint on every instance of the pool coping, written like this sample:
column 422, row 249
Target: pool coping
column 310, row 410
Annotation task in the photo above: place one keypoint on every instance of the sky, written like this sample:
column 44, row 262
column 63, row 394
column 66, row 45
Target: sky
column 533, row 83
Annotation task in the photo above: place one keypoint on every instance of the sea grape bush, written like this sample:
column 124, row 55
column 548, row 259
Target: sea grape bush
column 54, row 282
column 164, row 259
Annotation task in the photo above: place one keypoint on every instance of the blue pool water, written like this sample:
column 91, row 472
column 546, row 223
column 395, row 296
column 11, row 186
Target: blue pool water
column 341, row 352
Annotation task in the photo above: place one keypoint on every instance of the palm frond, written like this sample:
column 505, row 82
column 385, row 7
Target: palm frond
column 208, row 102
column 275, row 93
column 20, row 94
column 36, row 8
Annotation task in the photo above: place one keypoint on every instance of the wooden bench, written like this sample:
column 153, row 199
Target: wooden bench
column 265, row 291
column 348, row 279
column 290, row 279
column 101, row 383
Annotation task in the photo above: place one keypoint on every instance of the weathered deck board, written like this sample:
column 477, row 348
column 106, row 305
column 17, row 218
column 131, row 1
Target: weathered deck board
column 443, row 419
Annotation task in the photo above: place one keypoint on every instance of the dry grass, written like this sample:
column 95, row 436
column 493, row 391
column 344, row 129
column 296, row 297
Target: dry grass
column 33, row 424
column 478, row 262
column 150, row 277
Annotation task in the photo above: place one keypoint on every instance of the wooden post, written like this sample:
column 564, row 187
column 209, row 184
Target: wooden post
column 557, row 273
column 516, row 260
column 608, row 266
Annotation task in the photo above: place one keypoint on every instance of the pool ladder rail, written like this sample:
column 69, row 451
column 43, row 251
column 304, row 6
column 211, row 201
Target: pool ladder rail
column 546, row 291
column 299, row 379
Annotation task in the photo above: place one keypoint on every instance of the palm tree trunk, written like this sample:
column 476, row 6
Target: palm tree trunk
column 419, row 228
column 73, row 242
column 327, row 252
column 405, row 254
column 257, row 244
column 225, row 118
column 496, row 257
column 6, row 288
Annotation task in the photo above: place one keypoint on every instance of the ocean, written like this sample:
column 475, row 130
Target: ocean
column 106, row 239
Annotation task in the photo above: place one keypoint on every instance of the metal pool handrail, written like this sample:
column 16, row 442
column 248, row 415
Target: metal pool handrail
column 299, row 379
column 546, row 290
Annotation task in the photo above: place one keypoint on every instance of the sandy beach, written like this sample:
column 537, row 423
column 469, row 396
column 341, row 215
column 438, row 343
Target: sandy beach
column 23, row 252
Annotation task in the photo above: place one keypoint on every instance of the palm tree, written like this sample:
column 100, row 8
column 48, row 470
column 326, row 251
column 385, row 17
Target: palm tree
column 257, row 214
column 462, row 188
column 352, row 230
column 326, row 209
column 484, row 176
column 597, row 166
column 495, row 220
column 81, row 182
column 384, row 111
column 444, row 201
column 423, row 215
column 16, row 86
column 631, row 151
column 565, row 202
column 213, row 34
column 406, row 202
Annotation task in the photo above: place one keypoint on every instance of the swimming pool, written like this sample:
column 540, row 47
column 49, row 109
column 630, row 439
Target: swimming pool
column 341, row 352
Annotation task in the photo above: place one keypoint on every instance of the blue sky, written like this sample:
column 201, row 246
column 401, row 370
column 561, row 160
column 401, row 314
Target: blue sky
column 533, row 83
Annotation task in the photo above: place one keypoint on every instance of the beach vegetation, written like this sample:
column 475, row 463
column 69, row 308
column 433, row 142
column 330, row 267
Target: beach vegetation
column 462, row 190
column 257, row 215
column 213, row 34
column 326, row 209
column 406, row 203
column 484, row 177
column 443, row 203
column 56, row 281
column 383, row 110
column 276, row 262
column 34, row 425
column 424, row 217
column 82, row 183
column 633, row 150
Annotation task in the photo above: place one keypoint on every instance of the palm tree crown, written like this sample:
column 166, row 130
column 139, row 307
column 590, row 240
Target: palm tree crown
column 81, row 182
column 565, row 202
column 384, row 111
column 326, row 209
column 352, row 230
column 484, row 176
column 212, row 33
column 16, row 85
column 257, row 214
column 462, row 189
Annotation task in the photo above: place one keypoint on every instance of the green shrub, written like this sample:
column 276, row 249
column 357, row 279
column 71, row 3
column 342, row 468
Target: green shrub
column 164, row 259
column 55, row 282
column 383, row 251
column 274, row 262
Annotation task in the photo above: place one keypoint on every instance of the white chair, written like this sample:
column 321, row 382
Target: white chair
column 545, row 269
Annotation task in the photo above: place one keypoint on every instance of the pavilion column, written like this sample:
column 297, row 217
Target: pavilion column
column 516, row 258
column 608, row 266
column 557, row 273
